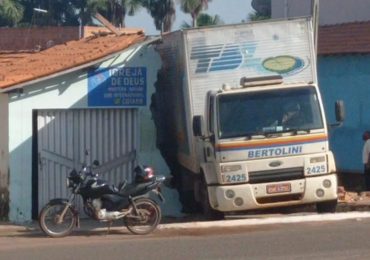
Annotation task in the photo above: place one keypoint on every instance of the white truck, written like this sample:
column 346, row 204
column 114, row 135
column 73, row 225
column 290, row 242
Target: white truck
column 240, row 117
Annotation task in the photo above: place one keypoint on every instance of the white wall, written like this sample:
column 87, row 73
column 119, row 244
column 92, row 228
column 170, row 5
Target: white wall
column 331, row 11
column 4, row 157
column 70, row 91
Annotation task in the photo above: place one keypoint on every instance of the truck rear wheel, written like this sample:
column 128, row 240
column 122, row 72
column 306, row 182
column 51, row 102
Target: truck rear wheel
column 326, row 206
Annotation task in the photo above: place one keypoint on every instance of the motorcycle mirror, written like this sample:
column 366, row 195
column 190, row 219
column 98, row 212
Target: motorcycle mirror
column 96, row 163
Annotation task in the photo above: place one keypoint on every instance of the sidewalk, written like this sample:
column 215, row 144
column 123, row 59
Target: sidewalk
column 353, row 207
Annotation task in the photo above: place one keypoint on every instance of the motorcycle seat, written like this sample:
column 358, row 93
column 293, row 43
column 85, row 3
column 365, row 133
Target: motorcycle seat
column 132, row 189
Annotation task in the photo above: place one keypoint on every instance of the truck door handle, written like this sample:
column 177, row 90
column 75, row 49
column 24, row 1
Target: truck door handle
column 208, row 152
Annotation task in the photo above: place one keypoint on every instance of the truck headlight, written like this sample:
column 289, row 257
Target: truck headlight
column 231, row 168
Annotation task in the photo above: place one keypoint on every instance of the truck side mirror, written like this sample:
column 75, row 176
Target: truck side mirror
column 198, row 126
column 339, row 111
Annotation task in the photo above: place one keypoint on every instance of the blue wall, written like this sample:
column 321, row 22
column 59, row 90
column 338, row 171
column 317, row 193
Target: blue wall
column 347, row 77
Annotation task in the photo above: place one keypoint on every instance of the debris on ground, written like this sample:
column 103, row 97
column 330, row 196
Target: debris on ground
column 348, row 197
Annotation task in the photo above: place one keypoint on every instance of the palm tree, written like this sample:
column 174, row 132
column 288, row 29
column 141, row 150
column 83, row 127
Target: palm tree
column 61, row 12
column 114, row 11
column 208, row 20
column 11, row 12
column 205, row 20
column 163, row 13
column 118, row 9
column 193, row 7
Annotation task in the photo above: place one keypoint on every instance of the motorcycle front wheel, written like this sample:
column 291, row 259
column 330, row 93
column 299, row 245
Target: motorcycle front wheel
column 145, row 219
column 51, row 223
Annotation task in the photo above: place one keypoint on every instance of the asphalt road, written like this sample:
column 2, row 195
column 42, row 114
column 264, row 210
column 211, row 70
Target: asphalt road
column 349, row 239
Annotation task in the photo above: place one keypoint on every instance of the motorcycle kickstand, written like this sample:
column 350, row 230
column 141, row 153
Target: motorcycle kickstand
column 109, row 226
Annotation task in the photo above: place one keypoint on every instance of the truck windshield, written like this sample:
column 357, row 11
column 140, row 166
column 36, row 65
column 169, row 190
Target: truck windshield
column 269, row 112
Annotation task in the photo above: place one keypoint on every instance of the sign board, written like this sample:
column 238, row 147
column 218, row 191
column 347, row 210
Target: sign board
column 117, row 87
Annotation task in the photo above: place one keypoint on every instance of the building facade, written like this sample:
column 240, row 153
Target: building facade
column 72, row 100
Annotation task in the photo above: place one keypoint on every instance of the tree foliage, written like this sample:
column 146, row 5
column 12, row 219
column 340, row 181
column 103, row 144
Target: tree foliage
column 11, row 12
column 262, row 10
column 62, row 12
column 194, row 8
column 17, row 13
column 163, row 13
column 205, row 20
column 256, row 16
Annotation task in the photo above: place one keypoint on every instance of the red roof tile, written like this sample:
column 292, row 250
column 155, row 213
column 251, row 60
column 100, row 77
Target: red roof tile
column 23, row 67
column 349, row 38
column 16, row 68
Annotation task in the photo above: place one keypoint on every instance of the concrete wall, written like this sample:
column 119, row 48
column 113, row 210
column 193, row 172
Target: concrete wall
column 4, row 156
column 70, row 91
column 347, row 77
column 331, row 11
column 42, row 37
column 34, row 38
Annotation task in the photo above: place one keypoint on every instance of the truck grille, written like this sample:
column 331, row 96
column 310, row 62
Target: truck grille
column 276, row 175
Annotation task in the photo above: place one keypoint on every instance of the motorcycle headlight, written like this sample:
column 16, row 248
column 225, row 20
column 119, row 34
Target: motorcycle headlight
column 70, row 183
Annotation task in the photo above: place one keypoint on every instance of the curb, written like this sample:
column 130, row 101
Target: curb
column 8, row 230
column 266, row 221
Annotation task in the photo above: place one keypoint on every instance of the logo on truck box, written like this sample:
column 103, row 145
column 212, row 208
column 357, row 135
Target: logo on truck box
column 221, row 57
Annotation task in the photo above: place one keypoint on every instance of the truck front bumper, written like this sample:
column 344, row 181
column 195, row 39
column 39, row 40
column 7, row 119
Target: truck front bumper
column 275, row 194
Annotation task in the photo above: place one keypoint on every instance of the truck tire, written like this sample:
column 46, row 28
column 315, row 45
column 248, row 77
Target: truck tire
column 326, row 206
column 207, row 210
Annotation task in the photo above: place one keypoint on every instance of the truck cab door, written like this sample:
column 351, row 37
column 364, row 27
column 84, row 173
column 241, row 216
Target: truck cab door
column 209, row 144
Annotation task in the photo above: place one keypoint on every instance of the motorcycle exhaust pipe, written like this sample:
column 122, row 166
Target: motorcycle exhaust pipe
column 103, row 214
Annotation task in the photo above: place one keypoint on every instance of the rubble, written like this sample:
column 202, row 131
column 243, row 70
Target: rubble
column 347, row 197
column 353, row 201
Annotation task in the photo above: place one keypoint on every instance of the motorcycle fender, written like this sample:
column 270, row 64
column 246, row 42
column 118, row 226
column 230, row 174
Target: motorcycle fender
column 159, row 194
column 146, row 195
column 57, row 201
column 65, row 201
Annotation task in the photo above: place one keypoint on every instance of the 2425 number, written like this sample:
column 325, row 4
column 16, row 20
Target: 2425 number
column 316, row 169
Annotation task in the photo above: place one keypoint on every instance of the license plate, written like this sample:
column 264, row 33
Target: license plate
column 278, row 188
column 231, row 178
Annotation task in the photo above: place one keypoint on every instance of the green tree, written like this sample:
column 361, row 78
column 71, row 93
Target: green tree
column 163, row 13
column 262, row 10
column 205, row 20
column 256, row 16
column 194, row 8
column 11, row 12
column 57, row 13
column 74, row 12
column 118, row 9
column 114, row 11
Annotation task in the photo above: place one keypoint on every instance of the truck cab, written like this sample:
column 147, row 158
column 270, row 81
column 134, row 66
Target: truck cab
column 265, row 144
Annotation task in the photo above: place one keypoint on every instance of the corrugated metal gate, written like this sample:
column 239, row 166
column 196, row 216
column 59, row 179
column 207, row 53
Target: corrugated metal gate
column 109, row 135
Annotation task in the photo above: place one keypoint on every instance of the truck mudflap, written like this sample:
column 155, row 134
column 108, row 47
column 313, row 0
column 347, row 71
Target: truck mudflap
column 274, row 194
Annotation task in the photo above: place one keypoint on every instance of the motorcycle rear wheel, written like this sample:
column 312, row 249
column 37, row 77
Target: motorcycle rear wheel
column 48, row 220
column 146, row 219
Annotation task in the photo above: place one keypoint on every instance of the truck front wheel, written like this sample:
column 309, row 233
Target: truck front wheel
column 326, row 206
column 208, row 211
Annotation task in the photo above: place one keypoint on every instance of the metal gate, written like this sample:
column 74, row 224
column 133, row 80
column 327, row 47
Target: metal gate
column 64, row 136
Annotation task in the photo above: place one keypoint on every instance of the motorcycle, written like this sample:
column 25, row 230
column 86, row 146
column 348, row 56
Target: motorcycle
column 106, row 203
